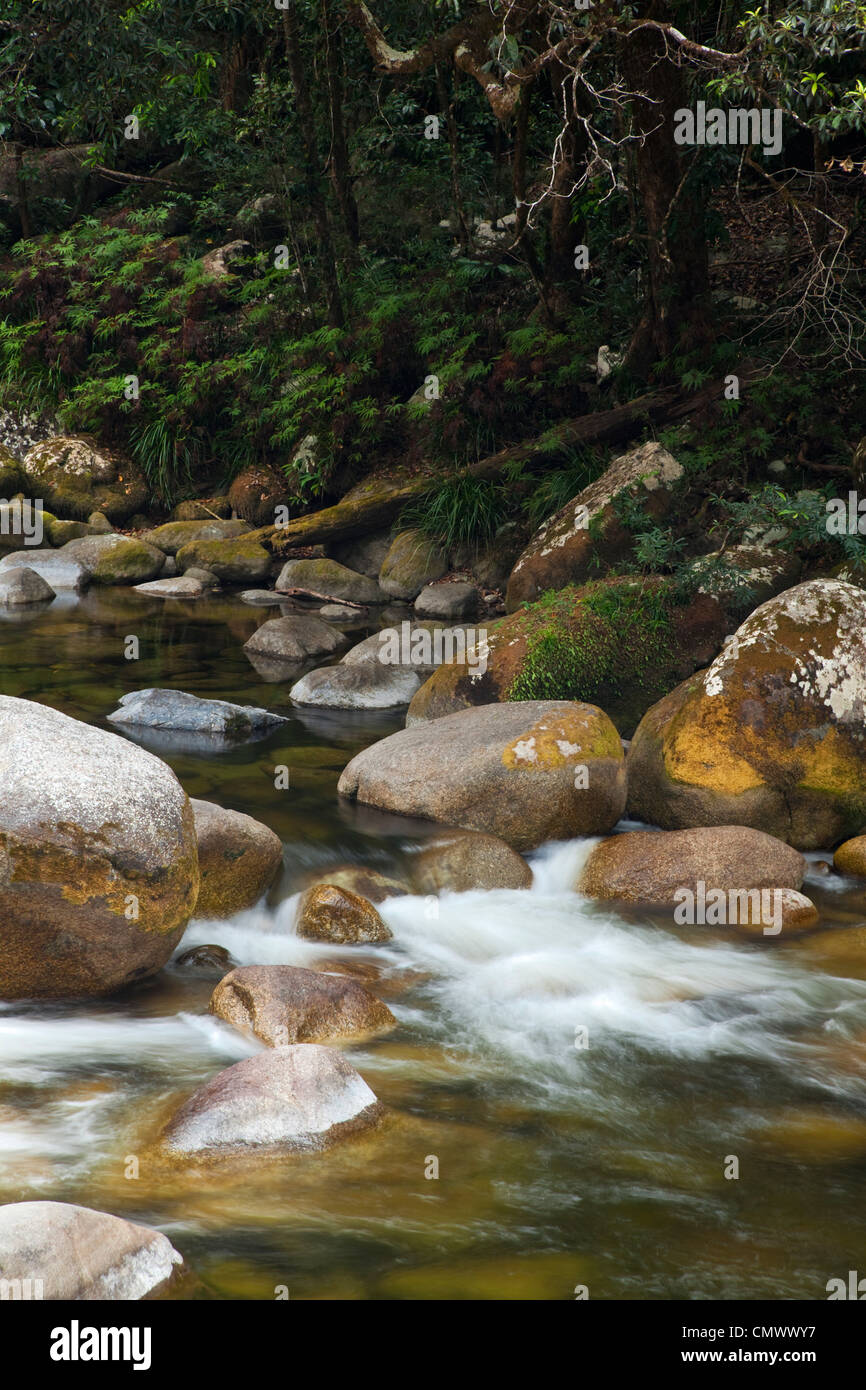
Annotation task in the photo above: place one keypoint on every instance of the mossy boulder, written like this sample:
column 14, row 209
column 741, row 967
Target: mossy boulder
column 12, row 476
column 745, row 575
column 412, row 562
column 116, row 559
column 74, row 476
column 238, row 857
column 526, row 772
column 617, row 643
column 331, row 579
column 100, row 868
column 240, row 561
column 205, row 509
column 771, row 734
column 174, row 535
column 589, row 528
column 850, row 858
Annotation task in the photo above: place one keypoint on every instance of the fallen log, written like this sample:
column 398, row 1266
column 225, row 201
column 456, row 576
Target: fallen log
column 372, row 506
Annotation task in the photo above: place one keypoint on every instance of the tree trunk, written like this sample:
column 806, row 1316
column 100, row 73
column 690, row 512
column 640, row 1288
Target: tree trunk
column 676, row 316
column 314, row 190
column 562, row 278
column 339, row 161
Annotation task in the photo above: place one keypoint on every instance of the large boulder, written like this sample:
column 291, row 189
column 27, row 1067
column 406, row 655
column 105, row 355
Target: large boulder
column 364, row 554
column 284, row 1004
column 650, row 866
column 743, row 576
column 56, row 568
column 771, row 734
column 174, row 535
column 527, row 772
column 238, row 858
column 616, row 643
column 448, row 601
column 460, row 861
column 256, row 493
column 98, row 863
column 156, row 708
column 74, row 476
column 58, row 1251
column 326, row 577
column 327, row 912
column 362, row 686
column 115, row 559
column 287, row 1100
column 412, row 562
column 294, row 639
column 239, row 561
column 564, row 548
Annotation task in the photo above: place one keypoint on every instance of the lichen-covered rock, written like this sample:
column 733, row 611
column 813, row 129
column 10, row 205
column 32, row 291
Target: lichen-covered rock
column 527, row 772
column 98, row 863
column 22, row 586
column 75, row 476
column 115, row 559
column 238, row 858
column 284, row 1004
column 328, row 913
column 771, row 734
column 614, row 643
column 328, row 578
column 413, row 560
column 240, row 561
column 649, row 866
column 79, row 1254
column 174, row 535
column 287, row 1100
column 746, row 575
column 460, row 861
column 294, row 639
column 562, row 551
column 12, row 478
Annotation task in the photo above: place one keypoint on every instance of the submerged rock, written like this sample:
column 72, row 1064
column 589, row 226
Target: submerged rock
column 156, row 708
column 284, row 1004
column 461, row 861
column 327, row 912
column 771, row 734
column 99, row 872
column 363, row 686
column 238, row 859
column 528, row 772
column 207, row 959
column 79, row 1254
column 293, row 639
column 286, row 1100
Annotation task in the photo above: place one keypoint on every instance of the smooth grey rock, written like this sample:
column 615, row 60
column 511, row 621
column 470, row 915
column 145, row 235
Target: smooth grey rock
column 366, row 685
column 57, row 569
column 157, row 708
column 181, row 586
column 262, row 598
column 447, row 601
column 22, row 586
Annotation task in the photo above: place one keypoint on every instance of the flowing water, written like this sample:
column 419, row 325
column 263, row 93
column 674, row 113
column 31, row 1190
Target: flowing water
column 587, row 1082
